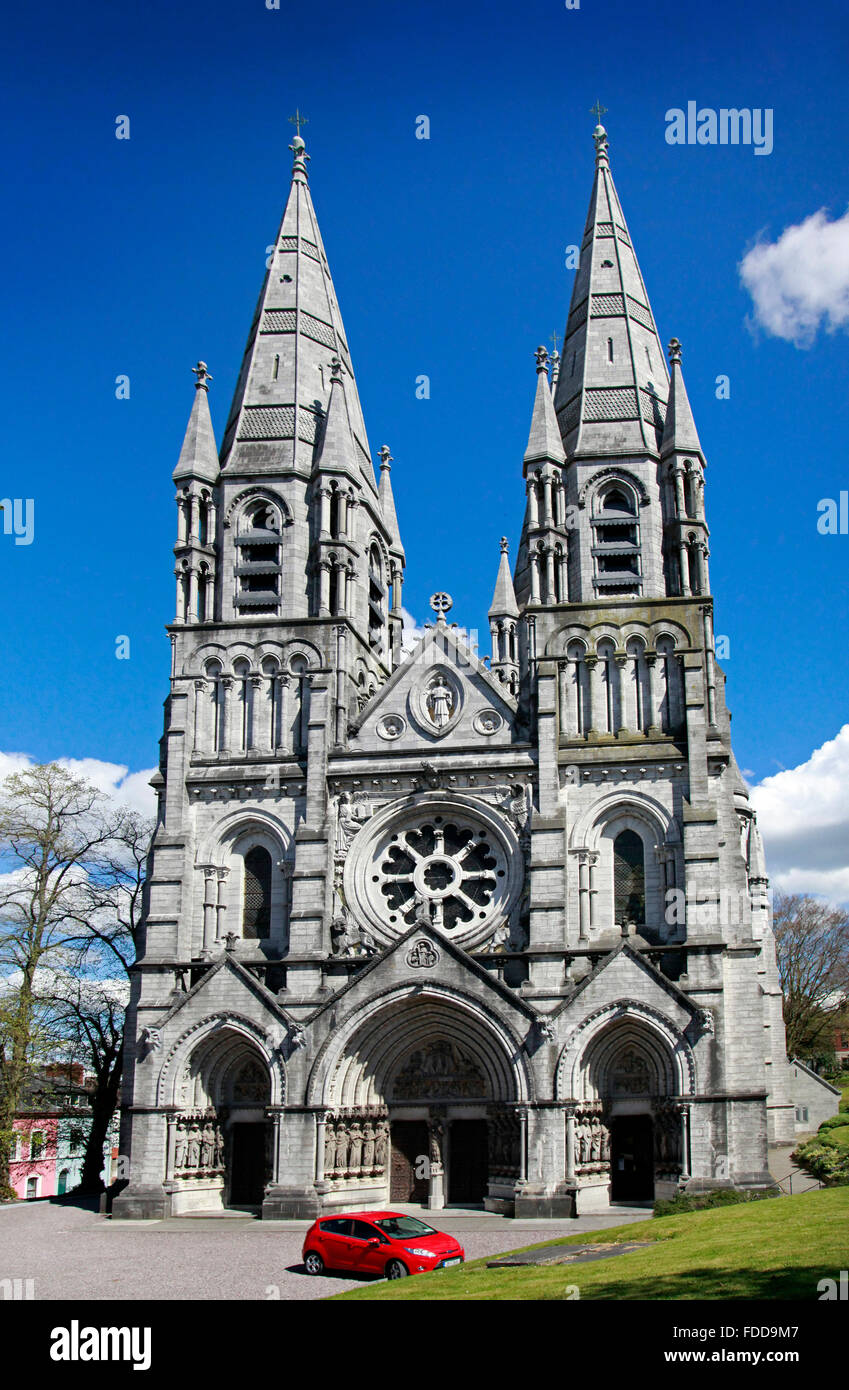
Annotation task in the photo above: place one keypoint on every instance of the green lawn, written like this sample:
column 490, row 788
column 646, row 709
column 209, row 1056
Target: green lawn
column 773, row 1249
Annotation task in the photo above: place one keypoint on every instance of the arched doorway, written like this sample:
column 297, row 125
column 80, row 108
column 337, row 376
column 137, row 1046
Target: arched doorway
column 438, row 1083
column 627, row 1131
column 219, row 1150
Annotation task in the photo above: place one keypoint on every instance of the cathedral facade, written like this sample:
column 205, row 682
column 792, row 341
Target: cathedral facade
column 422, row 927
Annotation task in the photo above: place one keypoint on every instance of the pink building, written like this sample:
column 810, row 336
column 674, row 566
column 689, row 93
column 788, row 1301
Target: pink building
column 33, row 1168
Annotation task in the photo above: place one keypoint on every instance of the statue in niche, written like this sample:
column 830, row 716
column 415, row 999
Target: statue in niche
column 380, row 1145
column 340, row 1164
column 439, row 701
column 355, row 1152
column 193, row 1157
column 181, row 1148
column 368, row 1146
column 329, row 1146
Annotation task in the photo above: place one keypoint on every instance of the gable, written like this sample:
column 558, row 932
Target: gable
column 626, row 975
column 442, row 694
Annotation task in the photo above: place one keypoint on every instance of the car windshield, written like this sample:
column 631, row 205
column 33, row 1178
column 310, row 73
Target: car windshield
column 401, row 1226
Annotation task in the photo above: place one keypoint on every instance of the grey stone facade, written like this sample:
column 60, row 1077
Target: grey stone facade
column 434, row 928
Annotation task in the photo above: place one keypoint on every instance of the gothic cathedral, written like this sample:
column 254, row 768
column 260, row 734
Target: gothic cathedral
column 426, row 928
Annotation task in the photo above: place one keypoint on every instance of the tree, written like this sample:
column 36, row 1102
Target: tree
column 812, row 947
column 55, row 833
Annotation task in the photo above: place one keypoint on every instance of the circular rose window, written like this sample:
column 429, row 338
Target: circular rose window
column 462, row 863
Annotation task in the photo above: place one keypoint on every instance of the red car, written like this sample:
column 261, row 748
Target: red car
column 378, row 1242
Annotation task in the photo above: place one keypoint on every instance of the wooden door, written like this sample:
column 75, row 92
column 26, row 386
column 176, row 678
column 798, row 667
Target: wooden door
column 409, row 1146
column 468, row 1165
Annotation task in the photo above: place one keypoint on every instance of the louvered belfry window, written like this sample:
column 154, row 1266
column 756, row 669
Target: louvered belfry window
column 629, row 878
column 256, row 918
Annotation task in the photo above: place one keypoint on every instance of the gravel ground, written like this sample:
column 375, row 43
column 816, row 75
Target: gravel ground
column 71, row 1251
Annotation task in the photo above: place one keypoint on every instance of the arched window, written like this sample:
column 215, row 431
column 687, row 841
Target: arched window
column 300, row 723
column 376, row 600
column 616, row 541
column 258, row 558
column 629, row 878
column 617, row 500
column 256, row 909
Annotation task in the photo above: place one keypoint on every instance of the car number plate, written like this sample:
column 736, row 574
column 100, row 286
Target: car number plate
column 454, row 1261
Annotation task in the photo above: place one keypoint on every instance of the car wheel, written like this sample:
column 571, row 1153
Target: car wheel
column 313, row 1263
column 396, row 1270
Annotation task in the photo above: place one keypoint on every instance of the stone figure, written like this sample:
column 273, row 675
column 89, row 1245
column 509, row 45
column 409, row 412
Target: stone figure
column 329, row 1146
column 380, row 1145
column 355, row 1150
column 368, row 1146
column 194, row 1147
column 181, row 1147
column 439, row 701
column 340, row 1163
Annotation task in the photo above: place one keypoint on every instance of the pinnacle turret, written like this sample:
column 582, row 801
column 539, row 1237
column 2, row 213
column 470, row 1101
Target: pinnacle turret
column 503, row 625
column 387, row 502
column 680, row 434
column 199, row 454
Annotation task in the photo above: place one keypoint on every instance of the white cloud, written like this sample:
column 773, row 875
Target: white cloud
column 123, row 787
column 803, row 813
column 801, row 280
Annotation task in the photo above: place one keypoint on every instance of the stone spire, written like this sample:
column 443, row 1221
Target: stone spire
column 284, row 387
column 680, row 434
column 503, row 625
column 541, row 565
column 199, row 454
column 612, row 384
column 504, row 603
column 387, row 502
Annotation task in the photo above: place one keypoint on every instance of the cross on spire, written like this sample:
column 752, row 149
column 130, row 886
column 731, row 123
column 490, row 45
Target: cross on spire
column 297, row 121
column 598, row 111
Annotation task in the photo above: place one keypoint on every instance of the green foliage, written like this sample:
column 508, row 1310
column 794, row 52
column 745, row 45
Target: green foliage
column 704, row 1201
column 825, row 1159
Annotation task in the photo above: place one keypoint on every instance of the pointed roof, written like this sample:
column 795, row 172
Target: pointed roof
column 199, row 454
column 680, row 434
column 544, row 441
column 336, row 451
column 284, row 385
column 387, row 502
column 504, row 603
column 612, row 384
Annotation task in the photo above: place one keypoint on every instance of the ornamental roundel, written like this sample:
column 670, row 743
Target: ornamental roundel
column 456, row 866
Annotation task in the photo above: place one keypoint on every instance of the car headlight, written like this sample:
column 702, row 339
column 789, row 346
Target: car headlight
column 415, row 1250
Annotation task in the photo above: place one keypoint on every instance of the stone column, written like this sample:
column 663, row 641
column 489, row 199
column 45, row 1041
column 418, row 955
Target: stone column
column 570, row 1145
column 209, row 926
column 591, row 663
column 563, row 697
column 324, row 510
column 221, row 905
column 710, row 669
column 397, row 586
column 583, row 896
column 684, row 1116
column 592, row 861
column 341, row 710
column 192, row 614
column 685, row 569
column 282, row 734
column 225, row 688
column 651, row 662
column 324, row 589
column 621, row 661
column 534, row 562
column 523, row 1145
column 253, row 716
column 343, row 515
column 547, row 513
column 200, row 739
column 703, row 567
column 678, row 480
column 533, row 504
column 320, row 1127
column 549, row 574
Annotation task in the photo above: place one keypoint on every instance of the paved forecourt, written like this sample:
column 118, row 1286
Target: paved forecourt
column 71, row 1251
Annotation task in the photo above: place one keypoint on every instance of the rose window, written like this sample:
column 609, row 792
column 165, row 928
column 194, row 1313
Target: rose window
column 457, row 868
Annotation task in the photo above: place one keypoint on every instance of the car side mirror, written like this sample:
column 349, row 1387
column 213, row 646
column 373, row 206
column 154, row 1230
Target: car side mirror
column 374, row 1240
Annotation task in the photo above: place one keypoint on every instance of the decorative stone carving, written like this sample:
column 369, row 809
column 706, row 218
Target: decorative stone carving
column 487, row 721
column 630, row 1075
column 356, row 1143
column 504, row 1139
column 151, row 1041
column 441, row 1069
column 706, row 1021
column 391, row 726
column 436, row 701
column 422, row 956
column 591, row 1151
column 198, row 1145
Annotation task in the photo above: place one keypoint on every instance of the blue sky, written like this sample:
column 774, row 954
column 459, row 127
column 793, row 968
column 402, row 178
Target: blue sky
column 140, row 256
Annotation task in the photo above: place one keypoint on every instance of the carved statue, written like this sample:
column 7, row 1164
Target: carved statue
column 368, row 1146
column 329, row 1146
column 340, row 1163
column 194, row 1147
column 180, row 1148
column 439, row 701
column 355, row 1151
column 381, row 1144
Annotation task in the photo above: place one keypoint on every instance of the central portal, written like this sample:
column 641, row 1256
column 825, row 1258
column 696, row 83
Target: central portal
column 468, row 1163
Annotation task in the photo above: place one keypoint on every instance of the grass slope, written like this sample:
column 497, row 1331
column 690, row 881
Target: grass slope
column 775, row 1249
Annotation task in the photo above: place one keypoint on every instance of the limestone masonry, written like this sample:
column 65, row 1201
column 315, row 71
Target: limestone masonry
column 427, row 928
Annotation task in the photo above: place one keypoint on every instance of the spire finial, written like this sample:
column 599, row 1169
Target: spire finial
column 203, row 376
column 541, row 356
column 505, row 545
column 674, row 350
column 385, row 458
column 599, row 136
column 298, row 148
column 336, row 369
